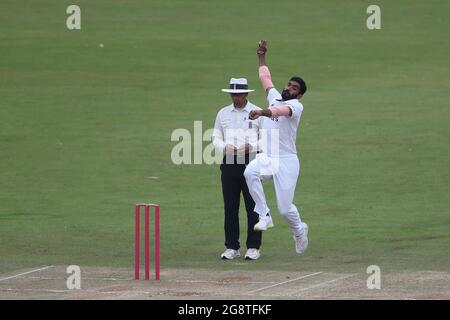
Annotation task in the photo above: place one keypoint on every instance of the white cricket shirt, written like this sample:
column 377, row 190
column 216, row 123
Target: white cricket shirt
column 280, row 133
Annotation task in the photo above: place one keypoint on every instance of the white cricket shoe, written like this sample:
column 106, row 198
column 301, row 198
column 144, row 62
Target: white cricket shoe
column 301, row 242
column 230, row 254
column 263, row 224
column 252, row 254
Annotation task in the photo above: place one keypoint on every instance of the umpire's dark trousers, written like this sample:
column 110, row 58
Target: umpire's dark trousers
column 233, row 183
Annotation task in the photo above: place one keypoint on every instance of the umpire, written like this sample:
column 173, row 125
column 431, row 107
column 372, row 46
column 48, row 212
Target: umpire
column 236, row 135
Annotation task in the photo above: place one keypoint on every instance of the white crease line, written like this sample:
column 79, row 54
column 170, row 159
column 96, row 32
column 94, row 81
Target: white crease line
column 35, row 290
column 284, row 282
column 323, row 283
column 98, row 291
column 169, row 280
column 62, row 290
column 219, row 281
column 24, row 273
column 84, row 278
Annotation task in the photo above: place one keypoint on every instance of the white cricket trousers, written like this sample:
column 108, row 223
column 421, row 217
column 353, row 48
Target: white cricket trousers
column 284, row 171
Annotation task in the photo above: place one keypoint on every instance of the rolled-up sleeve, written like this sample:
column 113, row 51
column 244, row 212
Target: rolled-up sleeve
column 296, row 107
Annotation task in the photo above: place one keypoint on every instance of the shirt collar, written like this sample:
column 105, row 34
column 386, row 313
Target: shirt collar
column 247, row 108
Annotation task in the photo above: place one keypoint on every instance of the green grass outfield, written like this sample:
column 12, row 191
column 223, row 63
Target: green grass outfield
column 84, row 128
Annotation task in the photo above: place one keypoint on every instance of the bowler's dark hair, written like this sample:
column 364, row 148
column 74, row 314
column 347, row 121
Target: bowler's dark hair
column 301, row 83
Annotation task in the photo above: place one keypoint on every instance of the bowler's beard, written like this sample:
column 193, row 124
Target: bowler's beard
column 285, row 95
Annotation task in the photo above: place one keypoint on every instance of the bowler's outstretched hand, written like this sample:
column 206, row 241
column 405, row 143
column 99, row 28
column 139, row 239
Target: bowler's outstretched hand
column 262, row 47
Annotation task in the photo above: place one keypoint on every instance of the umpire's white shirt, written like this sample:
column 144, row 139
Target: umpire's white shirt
column 233, row 127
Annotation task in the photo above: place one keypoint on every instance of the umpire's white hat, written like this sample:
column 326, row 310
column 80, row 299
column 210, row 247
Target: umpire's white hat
column 238, row 85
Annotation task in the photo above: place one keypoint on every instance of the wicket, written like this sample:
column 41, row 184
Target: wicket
column 137, row 239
